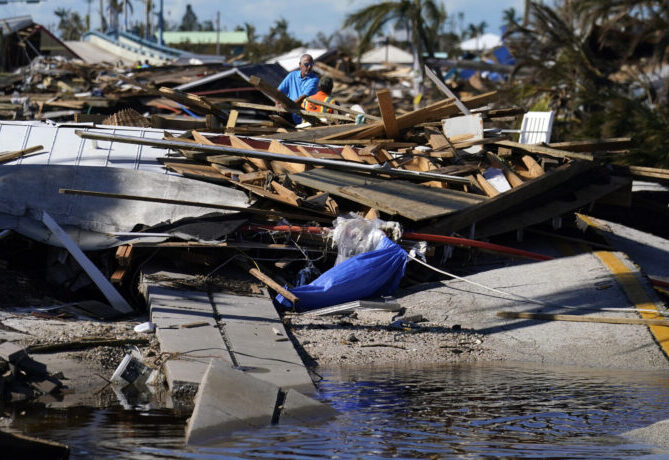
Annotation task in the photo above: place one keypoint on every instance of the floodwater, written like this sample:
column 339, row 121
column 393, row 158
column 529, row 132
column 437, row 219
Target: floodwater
column 438, row 412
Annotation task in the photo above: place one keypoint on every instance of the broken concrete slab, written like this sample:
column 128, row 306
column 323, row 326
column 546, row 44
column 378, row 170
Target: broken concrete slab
column 11, row 352
column 235, row 329
column 301, row 409
column 229, row 400
column 656, row 434
column 249, row 330
column 581, row 285
column 648, row 251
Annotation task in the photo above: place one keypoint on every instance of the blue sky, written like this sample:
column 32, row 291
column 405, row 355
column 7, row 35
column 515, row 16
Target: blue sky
column 305, row 17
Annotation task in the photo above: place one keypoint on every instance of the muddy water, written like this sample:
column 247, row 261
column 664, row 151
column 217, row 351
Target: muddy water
column 445, row 412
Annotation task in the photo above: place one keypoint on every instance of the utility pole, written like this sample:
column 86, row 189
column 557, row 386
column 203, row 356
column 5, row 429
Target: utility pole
column 160, row 24
column 218, row 33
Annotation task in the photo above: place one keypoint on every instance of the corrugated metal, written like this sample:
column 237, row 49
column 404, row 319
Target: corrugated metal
column 62, row 146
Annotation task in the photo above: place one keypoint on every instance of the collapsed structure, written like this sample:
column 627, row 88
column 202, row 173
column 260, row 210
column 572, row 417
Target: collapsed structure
column 200, row 164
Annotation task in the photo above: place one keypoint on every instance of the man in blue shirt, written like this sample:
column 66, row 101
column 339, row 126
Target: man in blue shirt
column 300, row 84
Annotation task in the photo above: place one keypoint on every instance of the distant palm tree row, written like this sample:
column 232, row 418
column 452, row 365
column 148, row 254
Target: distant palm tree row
column 72, row 25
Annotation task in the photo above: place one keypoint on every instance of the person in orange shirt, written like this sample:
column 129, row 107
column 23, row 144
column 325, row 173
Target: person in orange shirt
column 324, row 90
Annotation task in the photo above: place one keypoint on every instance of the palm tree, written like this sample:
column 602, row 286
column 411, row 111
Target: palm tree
column 149, row 9
column 127, row 5
column 70, row 24
column 419, row 17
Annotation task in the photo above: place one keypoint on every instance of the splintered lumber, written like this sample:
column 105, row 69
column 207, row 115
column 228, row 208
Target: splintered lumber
column 83, row 344
column 388, row 113
column 506, row 200
column 436, row 111
column 534, row 168
column 541, row 150
column 111, row 294
column 511, row 176
column 197, row 103
column 583, row 319
column 333, row 164
column 280, row 98
column 262, row 212
column 485, row 186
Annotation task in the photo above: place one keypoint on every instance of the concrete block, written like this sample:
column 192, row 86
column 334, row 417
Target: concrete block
column 301, row 409
column 229, row 400
column 11, row 352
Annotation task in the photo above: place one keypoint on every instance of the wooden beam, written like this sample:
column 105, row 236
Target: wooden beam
column 583, row 319
column 115, row 299
column 388, row 113
column 232, row 120
column 262, row 212
column 534, row 168
column 541, row 150
column 9, row 156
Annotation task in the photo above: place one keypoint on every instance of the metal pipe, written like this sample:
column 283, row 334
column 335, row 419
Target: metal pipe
column 219, row 149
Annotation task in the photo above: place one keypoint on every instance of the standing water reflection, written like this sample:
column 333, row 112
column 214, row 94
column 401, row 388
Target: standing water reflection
column 454, row 411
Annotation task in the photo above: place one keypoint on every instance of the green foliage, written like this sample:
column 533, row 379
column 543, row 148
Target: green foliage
column 70, row 25
column 592, row 60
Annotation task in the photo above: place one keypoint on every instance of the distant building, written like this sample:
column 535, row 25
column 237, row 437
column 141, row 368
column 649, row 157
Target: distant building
column 22, row 40
column 205, row 42
column 386, row 54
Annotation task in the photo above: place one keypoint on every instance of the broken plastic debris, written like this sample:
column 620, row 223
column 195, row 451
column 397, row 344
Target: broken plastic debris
column 146, row 327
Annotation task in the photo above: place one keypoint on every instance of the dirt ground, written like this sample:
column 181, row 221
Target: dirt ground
column 421, row 334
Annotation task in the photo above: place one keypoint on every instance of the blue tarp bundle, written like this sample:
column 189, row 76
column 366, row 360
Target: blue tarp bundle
column 370, row 274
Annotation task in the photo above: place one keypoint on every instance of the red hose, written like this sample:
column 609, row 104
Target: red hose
column 475, row 244
column 413, row 236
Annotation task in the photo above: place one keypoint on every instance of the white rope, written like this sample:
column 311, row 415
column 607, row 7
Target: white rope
column 527, row 299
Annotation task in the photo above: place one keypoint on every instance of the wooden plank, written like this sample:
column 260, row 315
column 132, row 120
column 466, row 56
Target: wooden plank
column 347, row 153
column 597, row 145
column 646, row 173
column 232, row 120
column 510, row 176
column 240, row 144
column 388, row 113
column 510, row 198
column 541, row 150
column 484, row 185
column 432, row 112
column 534, row 168
column 9, row 156
column 115, row 299
column 583, row 319
column 197, row 103
column 285, row 166
column 394, row 197
column 261, row 212
column 286, row 193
